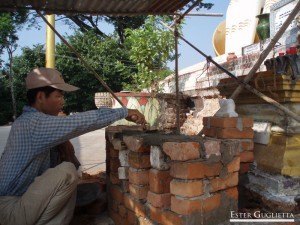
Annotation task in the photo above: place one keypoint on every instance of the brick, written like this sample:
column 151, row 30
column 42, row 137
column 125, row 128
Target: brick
column 247, row 145
column 188, row 206
column 212, row 147
column 123, row 157
column 116, row 193
column 114, row 178
column 185, row 206
column 232, row 193
column 115, row 217
column 186, row 188
column 223, row 183
column 210, row 132
column 159, row 181
column 125, row 186
column 134, row 205
column 138, row 191
column 159, row 200
column 139, row 160
column 136, row 144
column 140, row 177
column 113, row 152
column 114, row 165
column 182, row 151
column 247, row 156
column 211, row 203
column 171, row 218
column 234, row 133
column 122, row 211
column 131, row 218
column 195, row 170
column 244, row 168
column 123, row 173
column 114, row 205
column 155, row 214
column 234, row 165
column 158, row 158
column 227, row 122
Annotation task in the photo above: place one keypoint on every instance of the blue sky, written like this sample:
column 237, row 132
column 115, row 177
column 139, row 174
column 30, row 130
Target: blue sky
column 198, row 30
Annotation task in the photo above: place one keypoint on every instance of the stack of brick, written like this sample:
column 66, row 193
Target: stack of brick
column 178, row 180
column 236, row 128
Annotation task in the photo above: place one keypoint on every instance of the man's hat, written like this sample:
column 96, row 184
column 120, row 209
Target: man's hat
column 42, row 77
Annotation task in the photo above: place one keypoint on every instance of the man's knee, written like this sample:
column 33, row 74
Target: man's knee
column 69, row 171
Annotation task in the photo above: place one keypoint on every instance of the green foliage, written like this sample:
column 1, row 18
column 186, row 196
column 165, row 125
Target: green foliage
column 150, row 48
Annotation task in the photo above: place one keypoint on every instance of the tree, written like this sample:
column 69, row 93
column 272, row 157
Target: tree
column 150, row 48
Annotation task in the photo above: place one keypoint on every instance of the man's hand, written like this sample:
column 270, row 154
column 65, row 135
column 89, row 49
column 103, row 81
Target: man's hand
column 135, row 116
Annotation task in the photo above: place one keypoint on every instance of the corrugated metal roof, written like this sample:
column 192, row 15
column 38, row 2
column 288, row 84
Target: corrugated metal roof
column 98, row 7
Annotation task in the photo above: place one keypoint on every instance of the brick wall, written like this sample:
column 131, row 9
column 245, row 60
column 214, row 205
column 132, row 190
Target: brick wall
column 156, row 178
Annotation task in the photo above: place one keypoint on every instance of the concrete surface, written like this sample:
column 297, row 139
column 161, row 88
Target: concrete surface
column 89, row 149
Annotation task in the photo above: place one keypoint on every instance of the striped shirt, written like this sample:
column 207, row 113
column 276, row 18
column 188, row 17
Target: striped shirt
column 33, row 134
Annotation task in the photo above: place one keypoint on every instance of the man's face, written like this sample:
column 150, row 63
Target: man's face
column 52, row 104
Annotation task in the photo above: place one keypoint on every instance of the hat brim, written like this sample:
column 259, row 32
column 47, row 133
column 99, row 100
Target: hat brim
column 65, row 87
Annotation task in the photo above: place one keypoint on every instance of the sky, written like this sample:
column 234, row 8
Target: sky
column 198, row 30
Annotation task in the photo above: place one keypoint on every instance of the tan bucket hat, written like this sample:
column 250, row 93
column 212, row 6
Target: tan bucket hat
column 42, row 77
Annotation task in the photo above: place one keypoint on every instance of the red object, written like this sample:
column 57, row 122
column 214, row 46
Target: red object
column 293, row 50
column 281, row 53
column 288, row 51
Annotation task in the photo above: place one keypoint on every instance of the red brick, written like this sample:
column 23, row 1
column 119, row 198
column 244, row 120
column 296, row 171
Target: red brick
column 138, row 191
column 244, row 168
column 189, row 206
column 159, row 181
column 155, row 213
column 232, row 193
column 114, row 165
column 231, row 180
column 171, row 218
column 234, row 133
column 140, row 177
column 115, row 217
column 116, row 193
column 139, row 160
column 234, row 165
column 136, row 144
column 182, row 151
column 186, row 188
column 210, row 132
column 247, row 145
column 122, row 211
column 195, row 170
column 134, row 205
column 131, row 218
column 185, row 206
column 114, row 178
column 113, row 152
column 227, row 122
column 212, row 203
column 159, row 200
column 247, row 156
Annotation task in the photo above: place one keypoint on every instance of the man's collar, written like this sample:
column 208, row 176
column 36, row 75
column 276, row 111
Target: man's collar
column 29, row 109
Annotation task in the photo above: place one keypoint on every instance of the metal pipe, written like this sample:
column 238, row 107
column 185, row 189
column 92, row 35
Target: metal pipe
column 81, row 59
column 176, row 80
column 50, row 42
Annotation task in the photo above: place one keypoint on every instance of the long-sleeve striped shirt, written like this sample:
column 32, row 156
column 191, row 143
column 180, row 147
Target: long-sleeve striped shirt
column 33, row 134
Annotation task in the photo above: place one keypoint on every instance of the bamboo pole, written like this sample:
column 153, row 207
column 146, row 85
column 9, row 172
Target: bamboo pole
column 265, row 53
